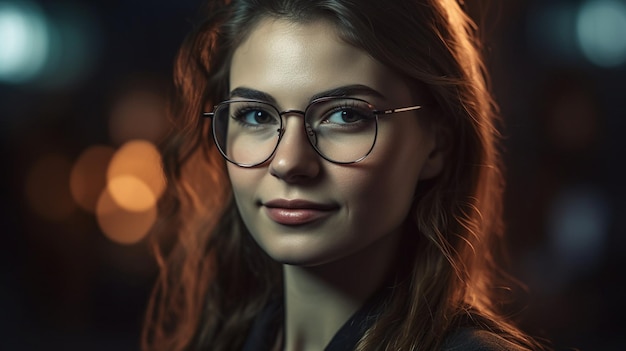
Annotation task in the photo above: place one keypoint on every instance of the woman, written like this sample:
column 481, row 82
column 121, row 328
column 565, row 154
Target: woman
column 334, row 183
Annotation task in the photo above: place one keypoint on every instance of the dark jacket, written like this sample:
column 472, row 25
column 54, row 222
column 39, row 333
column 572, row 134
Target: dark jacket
column 262, row 335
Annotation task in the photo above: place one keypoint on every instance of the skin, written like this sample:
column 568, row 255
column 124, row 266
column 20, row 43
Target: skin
column 332, row 264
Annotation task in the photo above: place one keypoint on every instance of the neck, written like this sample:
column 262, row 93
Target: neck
column 320, row 299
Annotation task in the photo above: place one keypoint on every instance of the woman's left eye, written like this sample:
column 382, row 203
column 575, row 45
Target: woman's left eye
column 345, row 116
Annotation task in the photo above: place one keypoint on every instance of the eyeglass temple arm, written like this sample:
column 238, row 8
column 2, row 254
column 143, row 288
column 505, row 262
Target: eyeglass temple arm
column 377, row 112
column 398, row 110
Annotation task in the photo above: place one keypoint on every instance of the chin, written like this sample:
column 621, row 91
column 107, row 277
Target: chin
column 298, row 259
column 303, row 257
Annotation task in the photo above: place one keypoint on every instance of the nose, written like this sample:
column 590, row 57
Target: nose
column 294, row 160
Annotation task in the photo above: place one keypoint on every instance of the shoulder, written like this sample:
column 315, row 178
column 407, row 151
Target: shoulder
column 471, row 339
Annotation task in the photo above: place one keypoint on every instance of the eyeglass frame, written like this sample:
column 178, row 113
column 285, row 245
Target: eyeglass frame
column 281, row 130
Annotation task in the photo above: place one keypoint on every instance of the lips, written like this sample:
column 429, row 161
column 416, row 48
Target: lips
column 297, row 212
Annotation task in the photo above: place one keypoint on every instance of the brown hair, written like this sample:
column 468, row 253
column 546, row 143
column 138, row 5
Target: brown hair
column 216, row 279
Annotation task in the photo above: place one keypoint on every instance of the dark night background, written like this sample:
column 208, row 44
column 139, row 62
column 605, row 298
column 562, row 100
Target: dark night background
column 558, row 71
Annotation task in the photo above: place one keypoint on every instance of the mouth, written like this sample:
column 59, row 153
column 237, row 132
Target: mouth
column 298, row 211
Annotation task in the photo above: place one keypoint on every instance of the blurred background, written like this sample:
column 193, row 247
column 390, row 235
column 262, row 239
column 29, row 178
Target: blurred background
column 82, row 96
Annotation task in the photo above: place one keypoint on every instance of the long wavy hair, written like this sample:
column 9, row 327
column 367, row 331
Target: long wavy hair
column 214, row 279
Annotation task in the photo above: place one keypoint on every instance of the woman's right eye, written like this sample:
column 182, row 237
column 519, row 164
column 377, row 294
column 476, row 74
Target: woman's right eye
column 254, row 117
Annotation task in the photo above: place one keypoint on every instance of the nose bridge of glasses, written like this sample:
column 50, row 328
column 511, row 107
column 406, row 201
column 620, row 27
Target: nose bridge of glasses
column 310, row 133
column 291, row 112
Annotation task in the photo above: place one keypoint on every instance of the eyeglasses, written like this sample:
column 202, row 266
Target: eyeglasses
column 342, row 130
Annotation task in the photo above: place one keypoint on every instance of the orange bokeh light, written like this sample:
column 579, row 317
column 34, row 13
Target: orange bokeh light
column 88, row 176
column 131, row 193
column 135, row 177
column 121, row 225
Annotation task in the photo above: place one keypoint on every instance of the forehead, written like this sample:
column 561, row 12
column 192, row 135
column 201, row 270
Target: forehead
column 294, row 61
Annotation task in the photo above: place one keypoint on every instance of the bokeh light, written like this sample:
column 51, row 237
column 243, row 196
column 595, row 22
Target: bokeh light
column 47, row 187
column 74, row 45
column 88, row 176
column 131, row 193
column 55, row 48
column 24, row 41
column 90, row 71
column 121, row 225
column 127, row 208
column 141, row 160
column 601, row 32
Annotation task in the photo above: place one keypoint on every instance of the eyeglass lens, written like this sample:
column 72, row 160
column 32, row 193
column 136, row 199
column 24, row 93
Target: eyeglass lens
column 341, row 130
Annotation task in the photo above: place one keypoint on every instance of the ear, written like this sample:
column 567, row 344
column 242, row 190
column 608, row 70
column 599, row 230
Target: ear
column 438, row 156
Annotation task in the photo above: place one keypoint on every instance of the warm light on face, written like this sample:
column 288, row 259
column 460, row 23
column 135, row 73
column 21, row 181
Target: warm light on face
column 302, row 209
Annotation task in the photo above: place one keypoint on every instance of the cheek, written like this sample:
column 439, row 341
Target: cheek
column 383, row 190
column 379, row 199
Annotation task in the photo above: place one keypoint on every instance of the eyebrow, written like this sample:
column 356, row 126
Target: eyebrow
column 253, row 94
column 347, row 90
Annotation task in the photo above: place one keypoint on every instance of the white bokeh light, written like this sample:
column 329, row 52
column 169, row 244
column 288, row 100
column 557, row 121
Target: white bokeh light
column 23, row 41
column 601, row 32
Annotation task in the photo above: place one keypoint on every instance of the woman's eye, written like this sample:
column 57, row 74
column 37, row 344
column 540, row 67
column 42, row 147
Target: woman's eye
column 345, row 116
column 255, row 117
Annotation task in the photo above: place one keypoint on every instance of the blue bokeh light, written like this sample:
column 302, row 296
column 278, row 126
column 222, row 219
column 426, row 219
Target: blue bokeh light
column 601, row 32
column 56, row 48
column 24, row 41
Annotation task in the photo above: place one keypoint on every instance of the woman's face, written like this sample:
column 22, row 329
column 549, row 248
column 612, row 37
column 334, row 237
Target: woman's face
column 300, row 208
